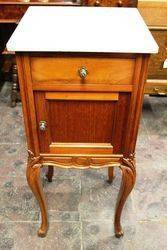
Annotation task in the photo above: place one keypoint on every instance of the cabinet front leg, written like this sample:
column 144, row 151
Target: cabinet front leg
column 128, row 180
column 34, row 181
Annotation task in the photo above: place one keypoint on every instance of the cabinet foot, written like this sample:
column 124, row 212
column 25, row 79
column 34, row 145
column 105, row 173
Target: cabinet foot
column 34, row 181
column 128, row 180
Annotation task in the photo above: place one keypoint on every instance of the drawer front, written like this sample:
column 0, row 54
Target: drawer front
column 99, row 70
column 156, row 69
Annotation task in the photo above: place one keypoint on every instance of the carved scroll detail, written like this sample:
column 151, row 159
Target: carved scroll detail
column 130, row 162
column 32, row 159
column 81, row 162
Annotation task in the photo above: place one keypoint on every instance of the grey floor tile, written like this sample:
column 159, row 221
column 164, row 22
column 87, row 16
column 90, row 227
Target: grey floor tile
column 98, row 236
column 63, row 194
column 6, row 236
column 149, row 195
column 155, row 115
column 17, row 203
column 12, row 130
column 98, row 198
column 13, row 160
column 150, row 235
column 18, row 236
column 63, row 235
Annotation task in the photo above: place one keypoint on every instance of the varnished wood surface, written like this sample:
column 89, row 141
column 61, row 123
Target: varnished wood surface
column 81, row 148
column 156, row 69
column 156, row 87
column 103, row 71
column 12, row 11
column 83, row 132
column 153, row 12
column 112, row 3
column 81, row 96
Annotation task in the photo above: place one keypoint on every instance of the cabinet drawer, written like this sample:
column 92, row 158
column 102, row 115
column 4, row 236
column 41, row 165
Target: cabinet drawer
column 64, row 70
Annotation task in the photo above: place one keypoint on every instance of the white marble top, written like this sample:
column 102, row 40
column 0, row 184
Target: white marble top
column 82, row 29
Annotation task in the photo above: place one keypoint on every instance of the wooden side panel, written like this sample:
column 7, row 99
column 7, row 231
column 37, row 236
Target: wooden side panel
column 42, row 115
column 28, row 103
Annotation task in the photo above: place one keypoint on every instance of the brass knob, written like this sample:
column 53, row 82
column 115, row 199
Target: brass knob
column 42, row 125
column 97, row 3
column 83, row 72
column 120, row 3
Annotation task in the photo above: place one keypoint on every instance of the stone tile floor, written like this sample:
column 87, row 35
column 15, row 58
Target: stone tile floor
column 81, row 203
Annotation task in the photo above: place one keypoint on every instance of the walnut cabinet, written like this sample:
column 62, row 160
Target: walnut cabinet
column 82, row 105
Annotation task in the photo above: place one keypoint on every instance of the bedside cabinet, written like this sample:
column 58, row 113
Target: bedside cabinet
column 82, row 99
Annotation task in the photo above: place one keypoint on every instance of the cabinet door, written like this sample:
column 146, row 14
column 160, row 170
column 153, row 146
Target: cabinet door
column 77, row 122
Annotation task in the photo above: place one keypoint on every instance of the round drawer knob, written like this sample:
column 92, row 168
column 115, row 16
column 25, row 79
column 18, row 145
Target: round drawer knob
column 42, row 125
column 120, row 3
column 83, row 72
column 97, row 3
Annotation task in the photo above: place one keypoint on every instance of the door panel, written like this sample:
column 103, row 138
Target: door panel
column 80, row 120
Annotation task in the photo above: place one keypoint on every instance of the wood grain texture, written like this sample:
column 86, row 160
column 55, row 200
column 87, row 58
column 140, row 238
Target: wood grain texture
column 81, row 121
column 156, row 70
column 83, row 128
column 81, row 148
column 33, row 178
column 156, row 87
column 112, row 3
column 81, row 96
column 65, row 70
column 13, row 11
column 153, row 12
column 81, row 161
column 128, row 180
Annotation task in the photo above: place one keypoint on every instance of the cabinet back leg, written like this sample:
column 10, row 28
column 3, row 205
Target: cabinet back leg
column 49, row 174
column 110, row 175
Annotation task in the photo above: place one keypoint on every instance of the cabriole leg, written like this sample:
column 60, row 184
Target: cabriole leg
column 34, row 181
column 128, row 181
